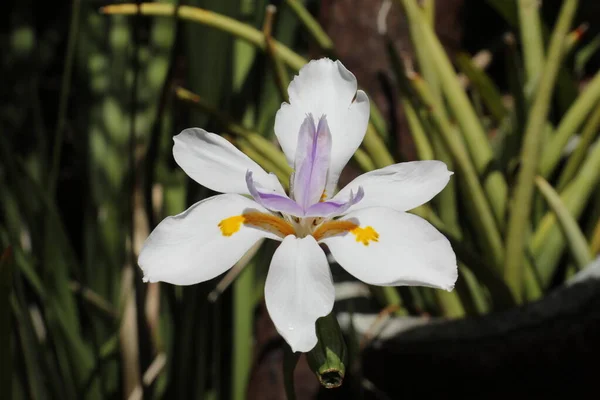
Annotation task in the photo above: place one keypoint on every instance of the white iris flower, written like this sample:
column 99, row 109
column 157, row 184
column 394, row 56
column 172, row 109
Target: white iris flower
column 365, row 225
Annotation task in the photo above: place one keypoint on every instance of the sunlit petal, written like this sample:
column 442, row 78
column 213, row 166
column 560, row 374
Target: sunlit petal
column 192, row 247
column 217, row 164
column 325, row 87
column 381, row 246
column 401, row 186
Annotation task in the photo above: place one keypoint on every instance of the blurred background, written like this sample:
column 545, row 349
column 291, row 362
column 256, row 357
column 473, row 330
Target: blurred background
column 506, row 92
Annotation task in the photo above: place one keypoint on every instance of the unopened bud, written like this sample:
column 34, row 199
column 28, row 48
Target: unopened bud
column 328, row 358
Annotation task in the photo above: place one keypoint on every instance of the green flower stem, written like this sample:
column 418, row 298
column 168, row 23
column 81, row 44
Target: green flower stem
column 212, row 19
column 243, row 311
column 576, row 159
column 531, row 38
column 474, row 134
column 491, row 240
column 485, row 86
column 376, row 148
column 425, row 58
column 429, row 11
column 409, row 103
column 311, row 25
column 372, row 142
column 424, row 149
column 468, row 285
column 569, row 125
column 575, row 238
column 279, row 70
column 574, row 38
column 534, row 132
column 450, row 304
column 445, row 201
column 378, row 121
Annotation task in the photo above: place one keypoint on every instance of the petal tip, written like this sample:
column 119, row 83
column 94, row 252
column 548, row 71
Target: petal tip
column 450, row 287
column 361, row 97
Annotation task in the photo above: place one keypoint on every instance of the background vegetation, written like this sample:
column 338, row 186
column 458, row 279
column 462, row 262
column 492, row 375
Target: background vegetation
column 92, row 96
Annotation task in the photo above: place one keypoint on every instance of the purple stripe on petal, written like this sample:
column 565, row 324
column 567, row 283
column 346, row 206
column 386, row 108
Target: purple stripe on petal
column 313, row 154
column 273, row 201
column 333, row 208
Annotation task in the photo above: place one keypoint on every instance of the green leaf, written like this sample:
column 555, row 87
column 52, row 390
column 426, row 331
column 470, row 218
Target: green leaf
column 481, row 213
column 484, row 85
column 530, row 154
column 471, row 128
column 547, row 242
column 584, row 55
column 575, row 160
column 569, row 125
column 311, row 25
column 575, row 238
column 532, row 42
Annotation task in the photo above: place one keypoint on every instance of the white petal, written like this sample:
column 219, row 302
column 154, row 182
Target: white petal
column 408, row 251
column 325, row 87
column 217, row 164
column 299, row 290
column 190, row 248
column 401, row 186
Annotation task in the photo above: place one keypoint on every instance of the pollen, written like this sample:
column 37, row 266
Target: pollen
column 365, row 235
column 323, row 196
column 258, row 220
column 231, row 225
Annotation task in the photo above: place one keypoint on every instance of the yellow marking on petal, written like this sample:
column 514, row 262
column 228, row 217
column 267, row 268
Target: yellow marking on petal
column 332, row 228
column 365, row 235
column 231, row 225
column 267, row 222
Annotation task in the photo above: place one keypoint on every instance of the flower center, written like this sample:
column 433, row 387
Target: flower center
column 299, row 227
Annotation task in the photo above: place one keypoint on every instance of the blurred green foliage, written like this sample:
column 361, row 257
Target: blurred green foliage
column 85, row 175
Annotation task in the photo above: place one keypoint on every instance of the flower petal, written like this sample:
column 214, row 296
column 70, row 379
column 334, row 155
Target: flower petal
column 325, row 87
column 299, row 289
column 312, row 161
column 217, row 164
column 391, row 248
column 332, row 207
column 401, row 186
column 273, row 201
column 191, row 247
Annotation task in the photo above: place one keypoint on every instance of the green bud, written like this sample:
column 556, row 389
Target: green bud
column 328, row 358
